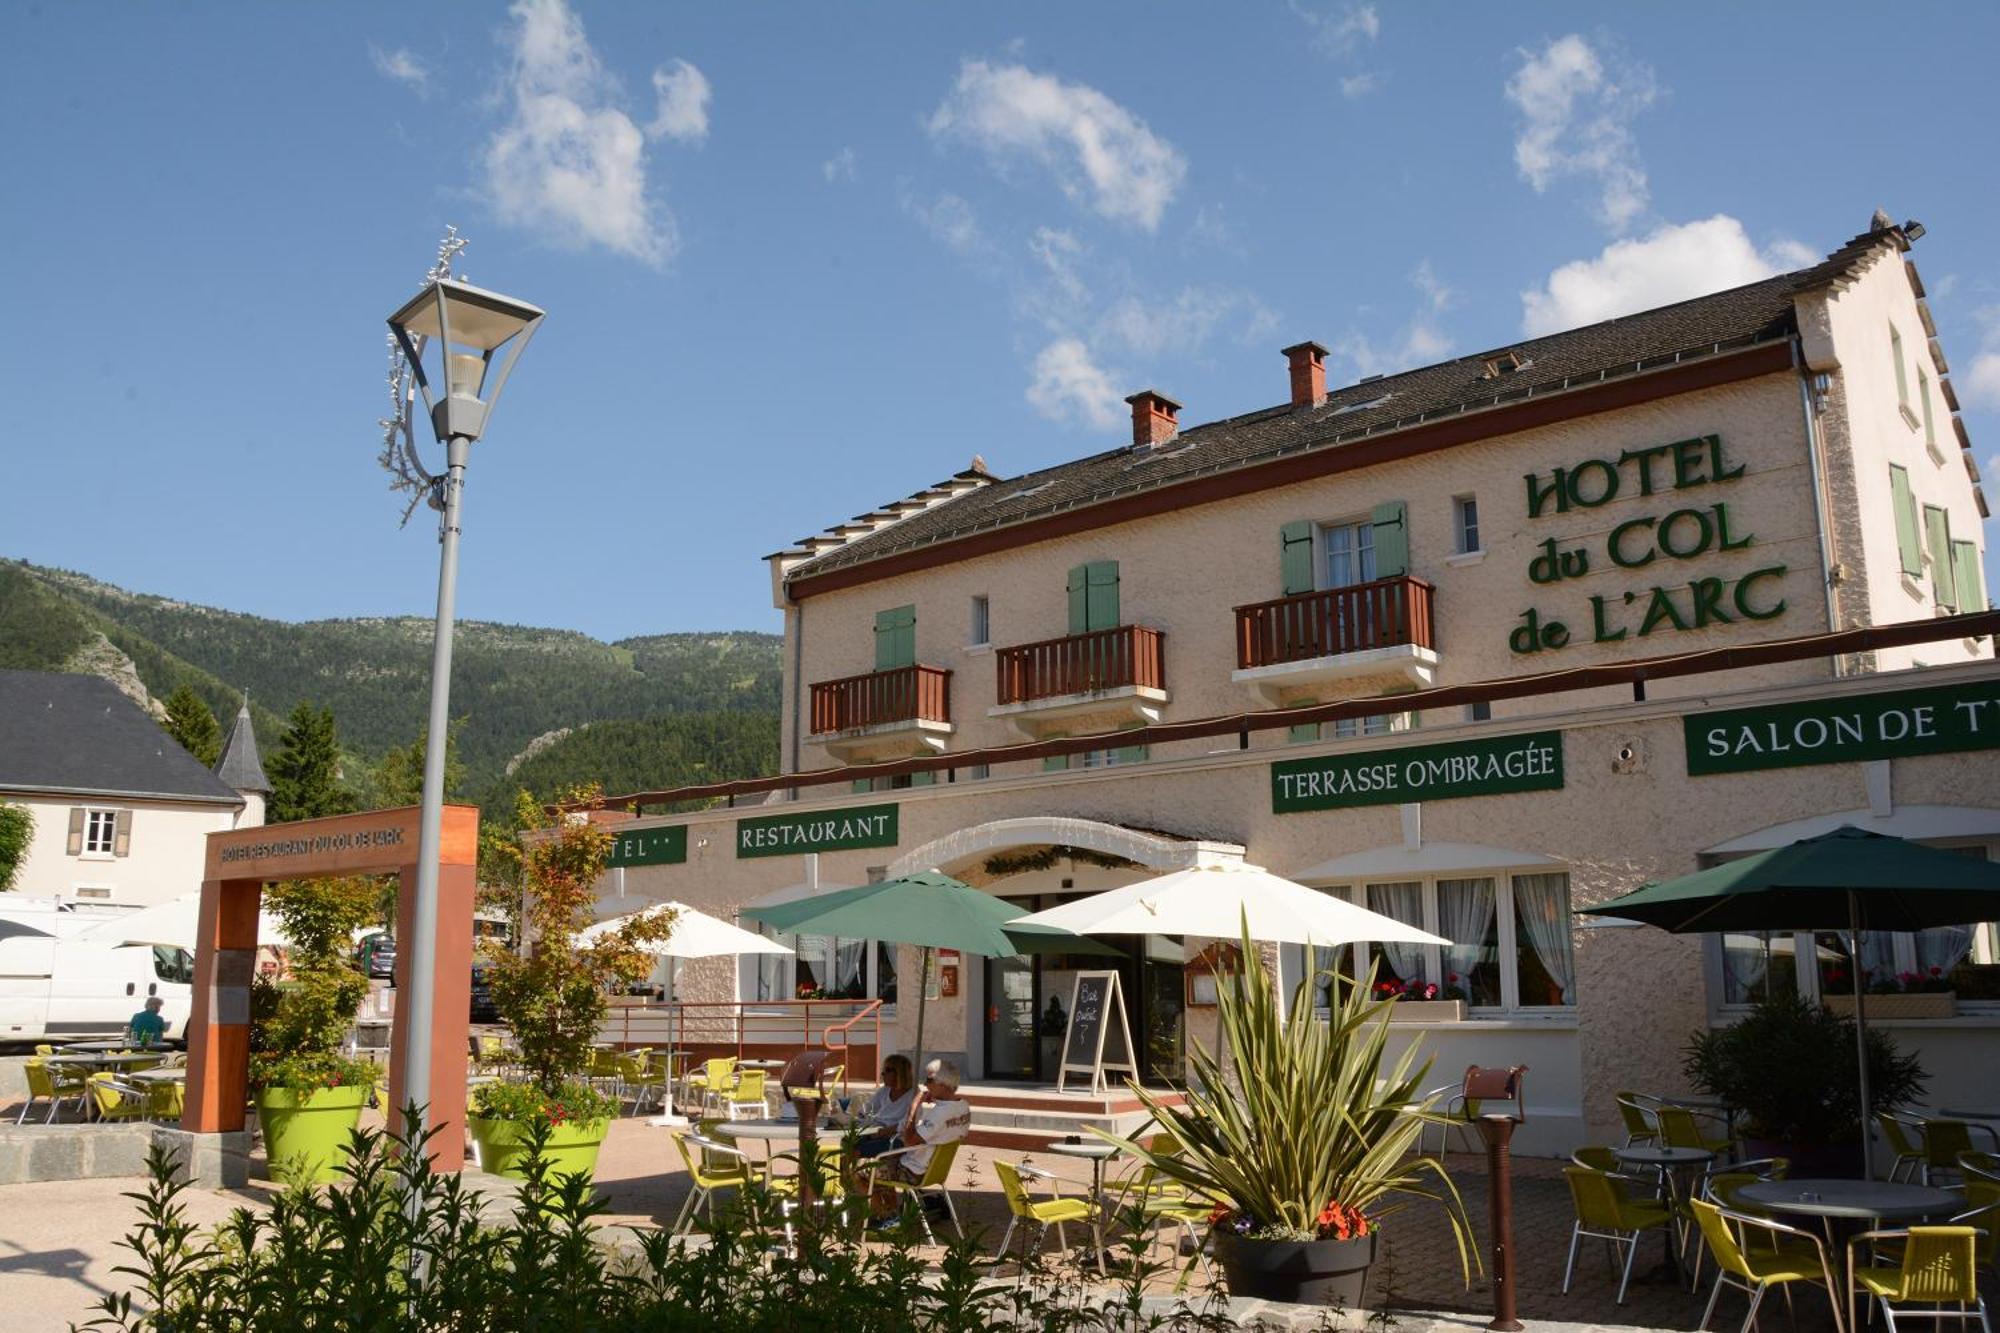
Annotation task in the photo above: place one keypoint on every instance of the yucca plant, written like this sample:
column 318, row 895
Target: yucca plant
column 1319, row 1135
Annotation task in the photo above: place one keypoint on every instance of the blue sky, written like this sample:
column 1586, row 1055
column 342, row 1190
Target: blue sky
column 801, row 260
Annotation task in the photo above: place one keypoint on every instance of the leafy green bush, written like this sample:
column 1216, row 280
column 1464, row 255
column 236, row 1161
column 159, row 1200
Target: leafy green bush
column 298, row 1025
column 568, row 1102
column 357, row 1256
column 1790, row 1067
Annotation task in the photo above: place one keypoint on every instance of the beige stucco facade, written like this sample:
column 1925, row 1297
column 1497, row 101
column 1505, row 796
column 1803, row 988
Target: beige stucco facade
column 163, row 856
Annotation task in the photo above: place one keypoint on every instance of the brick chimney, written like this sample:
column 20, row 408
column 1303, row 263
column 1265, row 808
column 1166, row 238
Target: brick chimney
column 1155, row 418
column 1308, row 362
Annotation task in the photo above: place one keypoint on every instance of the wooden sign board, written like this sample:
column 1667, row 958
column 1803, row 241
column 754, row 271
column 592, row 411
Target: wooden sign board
column 1098, row 1037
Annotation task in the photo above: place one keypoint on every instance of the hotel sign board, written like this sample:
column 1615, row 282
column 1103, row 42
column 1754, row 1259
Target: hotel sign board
column 1936, row 720
column 1490, row 766
column 827, row 831
column 649, row 847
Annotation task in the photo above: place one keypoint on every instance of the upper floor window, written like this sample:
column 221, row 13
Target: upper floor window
column 896, row 638
column 1314, row 556
column 1902, row 371
column 1350, row 553
column 1924, row 409
column 1465, row 517
column 1093, row 597
column 981, row 632
column 99, row 832
column 1909, row 544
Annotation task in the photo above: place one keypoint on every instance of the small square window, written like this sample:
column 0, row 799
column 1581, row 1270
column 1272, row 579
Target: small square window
column 92, row 891
column 1465, row 519
column 982, row 622
column 1479, row 712
column 100, row 831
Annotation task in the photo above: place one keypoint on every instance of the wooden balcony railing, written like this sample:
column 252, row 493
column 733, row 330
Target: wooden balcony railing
column 1382, row 614
column 1078, row 663
column 900, row 694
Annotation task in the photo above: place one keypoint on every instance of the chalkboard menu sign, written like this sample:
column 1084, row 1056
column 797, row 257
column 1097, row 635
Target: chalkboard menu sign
column 1098, row 1038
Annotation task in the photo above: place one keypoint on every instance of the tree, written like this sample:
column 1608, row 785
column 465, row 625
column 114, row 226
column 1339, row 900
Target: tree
column 193, row 724
column 305, row 769
column 17, row 830
column 399, row 777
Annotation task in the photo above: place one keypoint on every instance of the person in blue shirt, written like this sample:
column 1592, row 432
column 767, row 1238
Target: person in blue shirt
column 146, row 1027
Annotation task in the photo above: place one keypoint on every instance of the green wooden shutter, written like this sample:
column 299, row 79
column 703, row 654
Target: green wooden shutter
column 121, row 833
column 1055, row 763
column 1924, row 405
column 1902, row 374
column 1306, row 732
column 862, row 785
column 1937, row 535
column 922, row 779
column 1965, row 570
column 1100, row 595
column 1907, row 541
column 76, row 830
column 1130, row 754
column 1392, row 540
column 1079, row 599
column 895, row 638
column 1296, row 547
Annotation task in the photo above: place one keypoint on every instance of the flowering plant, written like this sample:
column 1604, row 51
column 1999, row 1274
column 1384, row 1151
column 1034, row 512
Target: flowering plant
column 808, row 991
column 1931, row 981
column 1395, row 988
column 571, row 1101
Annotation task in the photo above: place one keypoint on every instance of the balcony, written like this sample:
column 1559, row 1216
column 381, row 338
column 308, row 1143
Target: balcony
column 1111, row 675
column 881, row 714
column 1380, row 630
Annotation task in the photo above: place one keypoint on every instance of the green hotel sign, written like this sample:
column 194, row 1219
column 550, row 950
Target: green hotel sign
column 1490, row 766
column 830, row 831
column 649, row 847
column 1936, row 720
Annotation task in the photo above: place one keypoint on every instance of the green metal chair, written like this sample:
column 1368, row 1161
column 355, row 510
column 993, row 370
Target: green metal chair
column 1782, row 1256
column 1637, row 1117
column 1939, row 1266
column 1945, row 1141
column 1680, row 1128
column 1605, row 1211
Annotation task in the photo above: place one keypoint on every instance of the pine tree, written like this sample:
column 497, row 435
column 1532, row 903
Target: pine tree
column 399, row 777
column 191, row 722
column 305, row 769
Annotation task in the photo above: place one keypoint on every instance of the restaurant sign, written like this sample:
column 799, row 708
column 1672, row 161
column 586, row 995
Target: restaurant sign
column 1489, row 766
column 649, row 847
column 831, row 831
column 1936, row 720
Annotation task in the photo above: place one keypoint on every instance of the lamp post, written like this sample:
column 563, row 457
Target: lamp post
column 468, row 326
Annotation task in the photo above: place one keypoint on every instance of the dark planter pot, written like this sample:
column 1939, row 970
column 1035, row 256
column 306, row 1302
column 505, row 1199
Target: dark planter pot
column 1811, row 1161
column 1315, row 1272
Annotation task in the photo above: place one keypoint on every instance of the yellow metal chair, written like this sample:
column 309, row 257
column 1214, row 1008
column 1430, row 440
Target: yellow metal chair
column 1167, row 1203
column 1945, row 1141
column 1605, row 1211
column 1938, row 1266
column 651, row 1083
column 1595, row 1158
column 1897, row 1132
column 1979, row 1166
column 1723, row 1187
column 42, row 1087
column 829, row 1184
column 1054, row 1211
column 1679, row 1128
column 166, row 1099
column 1781, row 1256
column 715, row 1079
column 747, row 1094
column 711, row 1167
column 1635, row 1113
column 115, row 1100
column 936, row 1172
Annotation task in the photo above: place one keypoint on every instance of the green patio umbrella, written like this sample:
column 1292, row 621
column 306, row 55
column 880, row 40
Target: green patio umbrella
column 1849, row 877
column 928, row 909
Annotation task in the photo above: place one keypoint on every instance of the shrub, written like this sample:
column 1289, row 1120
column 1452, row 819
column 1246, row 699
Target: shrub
column 298, row 1025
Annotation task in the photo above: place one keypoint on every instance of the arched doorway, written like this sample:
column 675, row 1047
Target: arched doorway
column 1016, row 1008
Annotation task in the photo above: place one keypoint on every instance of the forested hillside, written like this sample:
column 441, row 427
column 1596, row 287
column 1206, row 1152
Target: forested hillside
column 622, row 703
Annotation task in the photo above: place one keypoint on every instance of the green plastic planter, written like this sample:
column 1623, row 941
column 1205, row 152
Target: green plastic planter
column 571, row 1149
column 306, row 1134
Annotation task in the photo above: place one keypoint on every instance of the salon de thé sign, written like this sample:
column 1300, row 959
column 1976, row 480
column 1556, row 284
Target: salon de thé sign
column 1657, row 548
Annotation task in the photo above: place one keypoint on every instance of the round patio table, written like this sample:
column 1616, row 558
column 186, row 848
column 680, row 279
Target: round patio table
column 1852, row 1200
column 1097, row 1153
column 105, row 1059
column 775, row 1131
column 1669, row 1164
column 177, row 1074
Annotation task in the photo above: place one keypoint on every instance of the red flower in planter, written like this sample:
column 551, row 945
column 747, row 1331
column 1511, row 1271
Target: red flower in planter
column 1337, row 1221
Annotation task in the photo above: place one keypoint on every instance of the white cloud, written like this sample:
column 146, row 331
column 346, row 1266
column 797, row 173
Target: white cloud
column 1338, row 33
column 1068, row 386
column 1420, row 345
column 1357, row 86
column 1183, row 322
column 1979, row 386
column 948, row 218
column 1058, row 252
column 684, row 93
column 1099, row 153
column 1674, row 263
column 403, row 66
column 1577, row 111
column 842, row 166
column 1436, row 294
column 569, row 163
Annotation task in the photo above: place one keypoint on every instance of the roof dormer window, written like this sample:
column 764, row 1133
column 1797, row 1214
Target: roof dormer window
column 1505, row 363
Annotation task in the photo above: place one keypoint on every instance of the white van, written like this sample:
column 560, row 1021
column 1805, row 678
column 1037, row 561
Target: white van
column 56, row 985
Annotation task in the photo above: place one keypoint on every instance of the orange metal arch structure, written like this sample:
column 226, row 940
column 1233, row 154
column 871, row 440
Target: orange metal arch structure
column 381, row 842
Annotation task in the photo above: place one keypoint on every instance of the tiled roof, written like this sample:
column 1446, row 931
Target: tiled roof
column 78, row 735
column 1705, row 326
column 240, row 767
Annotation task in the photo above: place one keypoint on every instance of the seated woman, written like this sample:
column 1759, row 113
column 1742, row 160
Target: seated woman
column 936, row 1116
column 882, row 1116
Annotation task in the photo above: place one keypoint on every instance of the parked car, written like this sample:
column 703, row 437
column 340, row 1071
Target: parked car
column 65, row 975
column 482, row 997
column 377, row 955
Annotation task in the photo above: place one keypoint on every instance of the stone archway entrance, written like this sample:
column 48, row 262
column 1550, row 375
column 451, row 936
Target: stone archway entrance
column 381, row 842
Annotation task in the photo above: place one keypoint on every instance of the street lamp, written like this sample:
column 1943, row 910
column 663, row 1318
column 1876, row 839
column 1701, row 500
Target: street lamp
column 468, row 326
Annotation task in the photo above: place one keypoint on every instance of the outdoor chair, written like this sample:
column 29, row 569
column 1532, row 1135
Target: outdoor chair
column 53, row 1085
column 1937, row 1266
column 1783, row 1255
column 1897, row 1132
column 1054, row 1211
column 115, row 1100
column 1723, row 1187
column 1606, row 1212
column 936, row 1173
column 1598, row 1158
column 830, row 1184
column 165, row 1100
column 1462, row 1103
column 746, row 1095
column 1979, row 1166
column 1167, row 1203
column 651, row 1082
column 1636, row 1114
column 1944, row 1141
column 1680, row 1128
column 713, row 1081
column 707, row 1175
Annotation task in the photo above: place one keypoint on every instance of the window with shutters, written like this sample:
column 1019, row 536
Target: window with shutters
column 1093, row 597
column 896, row 638
column 1924, row 408
column 100, row 832
column 1909, row 544
column 1902, row 373
column 1937, row 537
column 1350, row 553
column 1966, row 573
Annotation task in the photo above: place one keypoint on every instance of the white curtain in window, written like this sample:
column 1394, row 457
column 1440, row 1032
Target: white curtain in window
column 1745, row 960
column 774, row 971
column 1541, row 902
column 1943, row 948
column 849, row 957
column 1405, row 903
column 1465, row 916
column 1878, row 956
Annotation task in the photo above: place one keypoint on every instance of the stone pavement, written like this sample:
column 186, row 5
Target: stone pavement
column 58, row 1245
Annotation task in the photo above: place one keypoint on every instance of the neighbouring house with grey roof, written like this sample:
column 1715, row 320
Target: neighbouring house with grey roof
column 121, row 811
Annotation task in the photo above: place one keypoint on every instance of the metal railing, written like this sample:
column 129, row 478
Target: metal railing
column 899, row 694
column 752, row 1029
column 1330, row 621
column 1079, row 663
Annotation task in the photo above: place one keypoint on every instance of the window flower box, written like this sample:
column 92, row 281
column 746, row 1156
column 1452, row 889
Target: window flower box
column 1911, row 1004
column 1433, row 1011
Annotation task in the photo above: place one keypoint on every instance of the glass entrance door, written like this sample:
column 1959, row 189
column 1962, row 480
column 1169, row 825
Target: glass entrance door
column 1160, row 1009
column 1010, row 1019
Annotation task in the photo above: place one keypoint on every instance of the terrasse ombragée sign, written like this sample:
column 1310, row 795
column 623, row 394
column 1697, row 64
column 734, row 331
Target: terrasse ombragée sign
column 1486, row 767
column 840, row 830
column 1937, row 720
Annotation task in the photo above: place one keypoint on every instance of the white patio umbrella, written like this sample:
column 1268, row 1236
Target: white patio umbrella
column 174, row 922
column 694, row 934
column 1217, row 900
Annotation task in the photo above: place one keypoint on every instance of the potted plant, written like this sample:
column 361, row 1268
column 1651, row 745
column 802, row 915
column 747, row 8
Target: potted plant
column 1307, row 1144
column 1790, row 1070
column 307, row 1093
column 1422, row 1001
column 555, row 991
column 1926, row 994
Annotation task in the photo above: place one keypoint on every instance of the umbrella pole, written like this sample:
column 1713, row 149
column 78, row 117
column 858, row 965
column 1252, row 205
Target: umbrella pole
column 1860, row 1028
column 923, row 997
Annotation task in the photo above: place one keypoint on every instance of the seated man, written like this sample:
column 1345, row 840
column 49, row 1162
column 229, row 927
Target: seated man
column 147, row 1028
column 881, row 1118
column 937, row 1116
